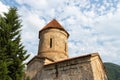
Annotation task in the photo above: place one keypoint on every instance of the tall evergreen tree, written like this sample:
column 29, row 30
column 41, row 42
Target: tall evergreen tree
column 4, row 60
column 12, row 53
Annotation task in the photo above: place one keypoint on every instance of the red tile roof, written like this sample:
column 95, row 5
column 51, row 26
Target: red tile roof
column 54, row 24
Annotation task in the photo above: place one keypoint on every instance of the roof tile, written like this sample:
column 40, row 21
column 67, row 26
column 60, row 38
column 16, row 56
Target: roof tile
column 54, row 24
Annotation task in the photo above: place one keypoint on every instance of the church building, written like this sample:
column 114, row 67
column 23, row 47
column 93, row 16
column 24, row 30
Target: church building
column 52, row 61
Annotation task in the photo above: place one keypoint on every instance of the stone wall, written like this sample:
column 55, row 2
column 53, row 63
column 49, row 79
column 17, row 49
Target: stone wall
column 34, row 66
column 85, row 68
column 98, row 69
column 53, row 44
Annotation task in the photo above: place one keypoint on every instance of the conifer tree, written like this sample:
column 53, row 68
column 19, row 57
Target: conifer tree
column 4, row 60
column 12, row 53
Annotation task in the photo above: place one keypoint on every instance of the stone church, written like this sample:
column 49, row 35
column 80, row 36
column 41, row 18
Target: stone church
column 52, row 62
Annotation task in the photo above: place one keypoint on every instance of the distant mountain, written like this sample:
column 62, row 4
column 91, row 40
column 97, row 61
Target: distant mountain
column 113, row 71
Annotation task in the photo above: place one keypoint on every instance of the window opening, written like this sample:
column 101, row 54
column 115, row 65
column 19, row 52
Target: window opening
column 65, row 47
column 50, row 42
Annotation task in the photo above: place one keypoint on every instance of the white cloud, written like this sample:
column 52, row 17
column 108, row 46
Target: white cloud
column 38, row 4
column 3, row 8
column 93, row 26
column 109, row 22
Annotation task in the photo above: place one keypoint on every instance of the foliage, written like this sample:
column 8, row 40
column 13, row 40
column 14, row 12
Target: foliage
column 12, row 53
column 113, row 71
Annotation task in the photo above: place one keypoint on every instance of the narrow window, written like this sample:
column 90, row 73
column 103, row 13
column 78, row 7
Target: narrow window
column 65, row 47
column 50, row 42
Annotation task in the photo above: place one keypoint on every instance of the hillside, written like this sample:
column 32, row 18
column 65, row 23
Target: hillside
column 113, row 71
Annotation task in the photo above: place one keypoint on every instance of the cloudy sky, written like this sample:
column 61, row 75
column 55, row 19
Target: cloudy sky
column 93, row 25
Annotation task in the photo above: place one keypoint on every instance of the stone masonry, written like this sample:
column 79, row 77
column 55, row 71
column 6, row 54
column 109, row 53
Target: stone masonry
column 58, row 43
column 52, row 62
column 53, row 41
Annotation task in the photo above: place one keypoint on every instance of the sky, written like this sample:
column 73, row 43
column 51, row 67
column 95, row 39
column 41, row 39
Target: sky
column 93, row 25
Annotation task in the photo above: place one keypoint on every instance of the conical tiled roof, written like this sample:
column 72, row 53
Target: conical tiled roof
column 54, row 24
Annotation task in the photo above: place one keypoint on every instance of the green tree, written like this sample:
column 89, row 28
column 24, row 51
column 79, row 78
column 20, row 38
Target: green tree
column 113, row 71
column 12, row 53
column 4, row 60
